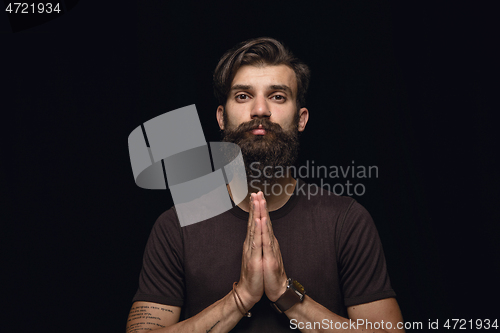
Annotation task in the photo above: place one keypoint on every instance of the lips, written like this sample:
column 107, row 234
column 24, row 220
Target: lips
column 259, row 131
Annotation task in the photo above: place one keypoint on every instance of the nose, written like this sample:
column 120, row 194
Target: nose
column 260, row 108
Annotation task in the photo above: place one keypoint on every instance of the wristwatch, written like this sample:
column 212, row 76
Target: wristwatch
column 294, row 294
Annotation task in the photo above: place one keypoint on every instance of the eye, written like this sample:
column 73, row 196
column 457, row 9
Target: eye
column 280, row 98
column 241, row 97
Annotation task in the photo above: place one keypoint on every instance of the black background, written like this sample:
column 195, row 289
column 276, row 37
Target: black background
column 410, row 88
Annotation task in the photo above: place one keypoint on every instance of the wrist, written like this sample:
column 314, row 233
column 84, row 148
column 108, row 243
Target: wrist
column 281, row 291
column 294, row 310
column 294, row 294
column 248, row 300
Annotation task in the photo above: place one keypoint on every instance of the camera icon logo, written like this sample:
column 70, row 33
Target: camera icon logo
column 170, row 151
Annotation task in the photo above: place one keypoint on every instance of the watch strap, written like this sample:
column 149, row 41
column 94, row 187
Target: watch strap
column 289, row 298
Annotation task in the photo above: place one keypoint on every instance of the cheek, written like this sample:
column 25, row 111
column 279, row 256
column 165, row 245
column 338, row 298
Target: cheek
column 231, row 123
column 285, row 123
column 234, row 118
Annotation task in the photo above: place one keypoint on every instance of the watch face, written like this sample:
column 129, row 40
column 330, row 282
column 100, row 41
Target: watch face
column 298, row 287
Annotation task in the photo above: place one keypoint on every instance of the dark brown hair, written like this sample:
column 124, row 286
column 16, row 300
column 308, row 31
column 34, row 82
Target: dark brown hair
column 258, row 52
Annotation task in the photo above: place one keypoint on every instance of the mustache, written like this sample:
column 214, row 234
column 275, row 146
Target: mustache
column 255, row 123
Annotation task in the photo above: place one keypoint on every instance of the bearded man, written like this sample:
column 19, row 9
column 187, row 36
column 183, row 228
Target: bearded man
column 240, row 271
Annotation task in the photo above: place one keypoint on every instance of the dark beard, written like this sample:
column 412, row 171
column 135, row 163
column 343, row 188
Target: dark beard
column 278, row 149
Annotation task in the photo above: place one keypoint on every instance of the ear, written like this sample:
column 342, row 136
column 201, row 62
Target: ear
column 303, row 118
column 220, row 117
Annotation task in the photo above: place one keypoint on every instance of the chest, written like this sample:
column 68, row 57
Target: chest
column 213, row 262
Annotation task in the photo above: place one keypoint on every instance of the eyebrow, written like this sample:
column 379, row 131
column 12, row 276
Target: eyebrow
column 282, row 87
column 240, row 87
column 274, row 87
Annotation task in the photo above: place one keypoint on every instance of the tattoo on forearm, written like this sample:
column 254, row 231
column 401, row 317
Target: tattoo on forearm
column 162, row 309
column 134, row 328
column 210, row 329
column 146, row 318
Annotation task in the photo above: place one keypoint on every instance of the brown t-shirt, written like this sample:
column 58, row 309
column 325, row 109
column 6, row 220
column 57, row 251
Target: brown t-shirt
column 328, row 243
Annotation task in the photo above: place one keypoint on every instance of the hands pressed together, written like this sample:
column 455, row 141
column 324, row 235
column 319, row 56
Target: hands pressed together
column 262, row 268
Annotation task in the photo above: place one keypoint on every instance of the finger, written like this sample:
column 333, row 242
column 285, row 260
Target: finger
column 257, row 240
column 263, row 211
column 250, row 219
column 265, row 214
column 251, row 224
column 267, row 240
column 258, row 198
column 263, row 204
column 253, row 229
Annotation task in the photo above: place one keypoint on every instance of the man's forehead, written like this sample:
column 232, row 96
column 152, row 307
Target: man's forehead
column 279, row 77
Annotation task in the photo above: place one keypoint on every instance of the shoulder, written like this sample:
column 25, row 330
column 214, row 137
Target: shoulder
column 167, row 226
column 358, row 227
column 344, row 212
column 168, row 219
column 320, row 199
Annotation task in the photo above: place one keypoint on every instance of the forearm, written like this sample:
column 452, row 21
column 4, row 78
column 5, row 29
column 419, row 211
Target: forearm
column 311, row 317
column 219, row 317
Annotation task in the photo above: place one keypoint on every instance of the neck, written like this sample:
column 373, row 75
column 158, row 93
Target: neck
column 276, row 199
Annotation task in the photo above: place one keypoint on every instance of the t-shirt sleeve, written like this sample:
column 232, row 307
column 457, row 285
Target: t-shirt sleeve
column 162, row 276
column 363, row 269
